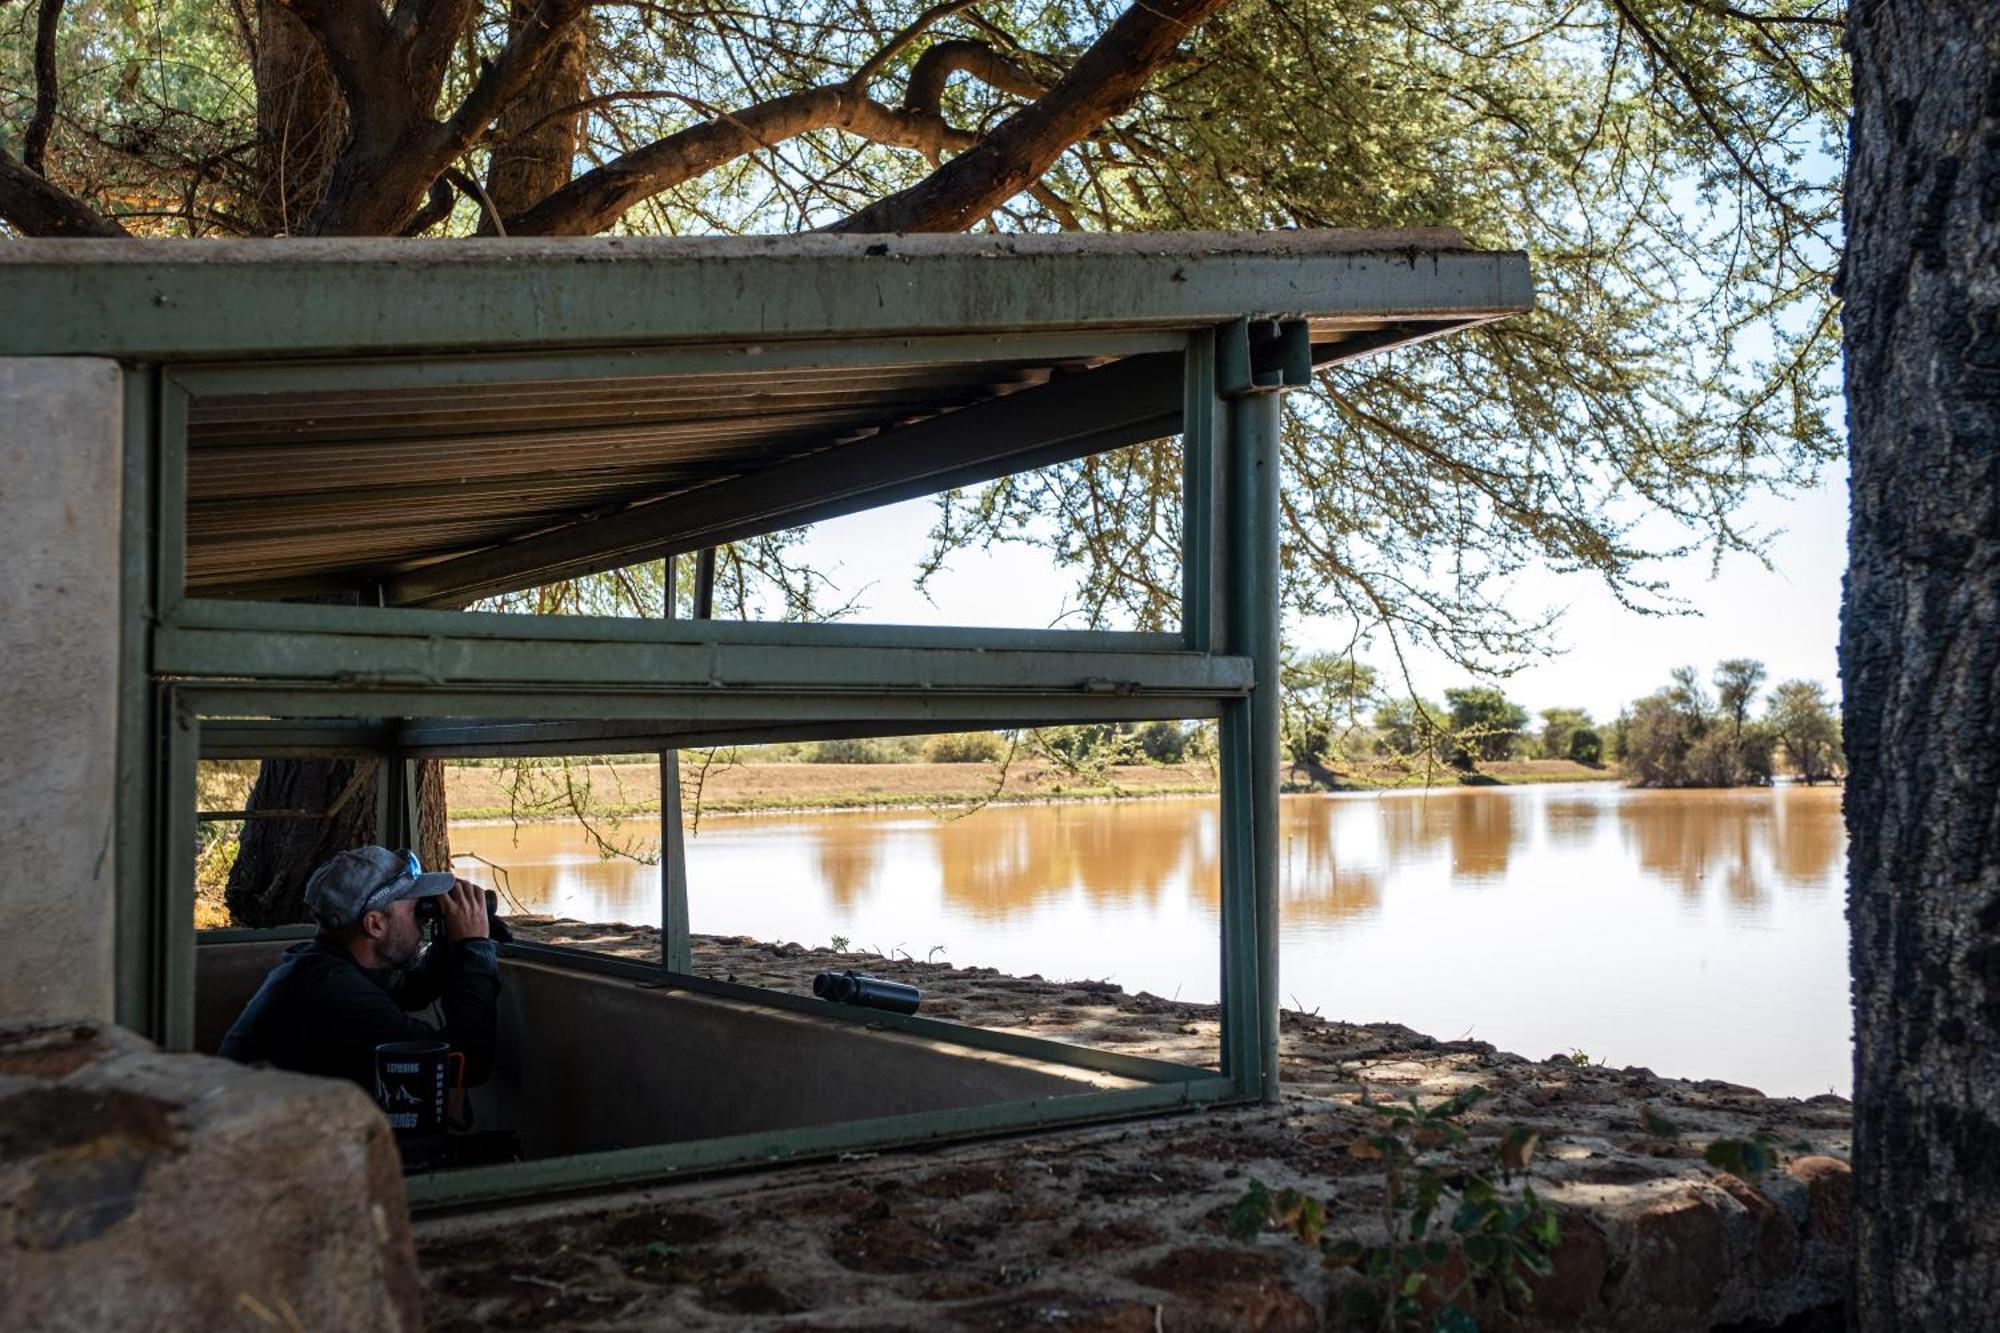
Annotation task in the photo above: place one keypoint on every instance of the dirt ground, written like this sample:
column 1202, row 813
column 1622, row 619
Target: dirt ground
column 484, row 792
column 475, row 793
column 1126, row 1226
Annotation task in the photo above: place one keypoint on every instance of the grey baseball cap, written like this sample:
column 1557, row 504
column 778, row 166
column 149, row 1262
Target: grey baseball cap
column 367, row 879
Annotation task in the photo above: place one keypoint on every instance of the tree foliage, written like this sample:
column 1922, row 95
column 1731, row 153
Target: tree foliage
column 1558, row 726
column 1807, row 730
column 1680, row 737
column 1671, row 165
column 1324, row 710
column 1486, row 725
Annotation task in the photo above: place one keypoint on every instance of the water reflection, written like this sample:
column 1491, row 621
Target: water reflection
column 1315, row 881
column 1002, row 861
column 1636, row 924
column 1570, row 824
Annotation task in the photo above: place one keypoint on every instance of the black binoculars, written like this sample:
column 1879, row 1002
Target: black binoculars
column 429, row 913
column 868, row 991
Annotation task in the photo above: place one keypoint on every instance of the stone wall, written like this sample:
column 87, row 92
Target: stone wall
column 61, row 456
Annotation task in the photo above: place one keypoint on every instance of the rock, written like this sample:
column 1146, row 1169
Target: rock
column 1677, row 1251
column 1829, row 1186
column 141, row 1190
column 1777, row 1240
column 1574, row 1289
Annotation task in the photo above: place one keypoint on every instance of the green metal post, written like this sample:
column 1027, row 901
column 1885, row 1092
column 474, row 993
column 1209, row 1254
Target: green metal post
column 174, row 897
column 1250, row 727
column 171, row 498
column 1201, row 566
column 388, row 801
column 704, row 584
column 676, row 953
column 1254, row 435
column 138, row 757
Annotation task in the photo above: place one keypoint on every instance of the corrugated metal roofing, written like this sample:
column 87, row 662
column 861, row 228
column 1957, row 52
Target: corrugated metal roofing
column 317, row 486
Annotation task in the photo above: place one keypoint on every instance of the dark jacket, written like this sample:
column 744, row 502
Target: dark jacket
column 320, row 1012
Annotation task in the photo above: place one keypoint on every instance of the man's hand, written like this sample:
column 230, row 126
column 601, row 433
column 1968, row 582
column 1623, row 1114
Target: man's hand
column 463, row 911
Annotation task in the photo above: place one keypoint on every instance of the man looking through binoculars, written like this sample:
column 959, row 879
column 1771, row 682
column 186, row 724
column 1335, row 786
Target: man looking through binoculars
column 353, row 986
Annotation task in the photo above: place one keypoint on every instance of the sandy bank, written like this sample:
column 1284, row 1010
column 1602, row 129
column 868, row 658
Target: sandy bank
column 475, row 794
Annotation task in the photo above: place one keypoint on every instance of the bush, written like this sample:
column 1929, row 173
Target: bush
column 851, row 751
column 1164, row 742
column 964, row 747
column 1586, row 747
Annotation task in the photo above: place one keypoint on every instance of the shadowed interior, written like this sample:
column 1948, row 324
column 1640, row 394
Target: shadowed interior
column 589, row 1062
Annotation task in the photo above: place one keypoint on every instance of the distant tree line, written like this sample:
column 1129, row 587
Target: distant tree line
column 1681, row 736
column 1336, row 717
column 1336, row 720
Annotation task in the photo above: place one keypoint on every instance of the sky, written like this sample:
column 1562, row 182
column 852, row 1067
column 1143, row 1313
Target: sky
column 1787, row 615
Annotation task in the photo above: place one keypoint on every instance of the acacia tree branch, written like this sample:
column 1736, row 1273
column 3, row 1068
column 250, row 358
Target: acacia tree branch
column 36, row 207
column 1106, row 81
column 596, row 199
column 895, row 46
column 925, row 93
column 505, row 76
column 357, row 38
column 35, row 143
column 437, row 207
column 432, row 31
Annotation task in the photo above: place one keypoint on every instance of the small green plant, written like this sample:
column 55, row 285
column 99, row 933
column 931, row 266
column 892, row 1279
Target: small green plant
column 840, row 943
column 1581, row 1059
column 1286, row 1209
column 1453, row 1230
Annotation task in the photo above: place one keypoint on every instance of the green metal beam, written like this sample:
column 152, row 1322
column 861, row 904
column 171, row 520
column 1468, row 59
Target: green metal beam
column 444, row 739
column 160, row 299
column 301, row 619
column 678, row 717
column 265, row 738
column 805, row 664
column 626, row 1167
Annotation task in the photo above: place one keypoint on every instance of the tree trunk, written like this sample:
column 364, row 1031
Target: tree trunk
column 433, row 819
column 275, row 857
column 1920, row 660
column 301, row 120
column 538, row 131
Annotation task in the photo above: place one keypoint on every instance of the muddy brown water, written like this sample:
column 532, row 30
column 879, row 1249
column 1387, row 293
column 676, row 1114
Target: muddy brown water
column 1700, row 934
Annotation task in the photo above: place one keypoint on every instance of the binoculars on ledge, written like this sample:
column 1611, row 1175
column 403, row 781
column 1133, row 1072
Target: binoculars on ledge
column 867, row 991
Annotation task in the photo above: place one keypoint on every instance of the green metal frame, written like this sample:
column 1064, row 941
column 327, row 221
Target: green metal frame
column 146, row 301
column 217, row 677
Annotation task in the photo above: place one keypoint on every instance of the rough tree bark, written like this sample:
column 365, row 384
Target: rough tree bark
column 275, row 857
column 536, row 135
column 301, row 120
column 1920, row 660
